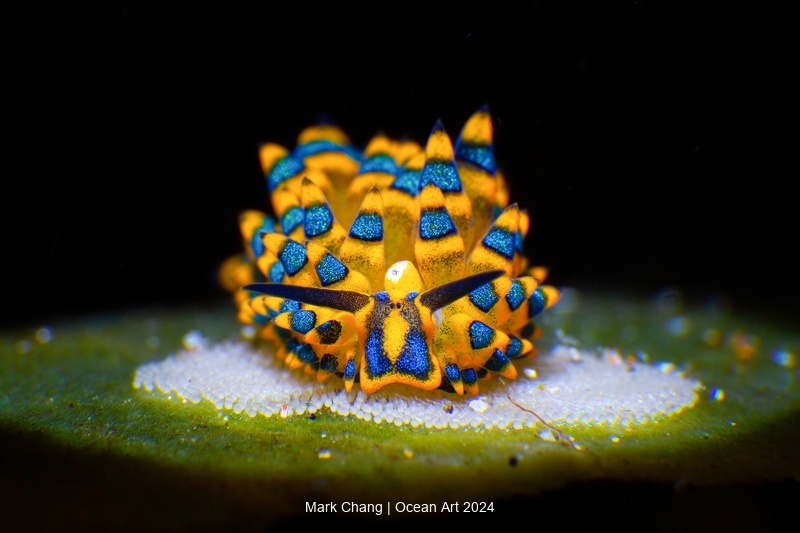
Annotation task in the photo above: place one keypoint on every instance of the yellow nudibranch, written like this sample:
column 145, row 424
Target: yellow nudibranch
column 428, row 287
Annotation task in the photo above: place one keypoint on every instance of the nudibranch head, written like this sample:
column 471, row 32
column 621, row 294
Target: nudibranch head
column 455, row 303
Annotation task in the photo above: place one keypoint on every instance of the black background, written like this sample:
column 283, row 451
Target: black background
column 648, row 142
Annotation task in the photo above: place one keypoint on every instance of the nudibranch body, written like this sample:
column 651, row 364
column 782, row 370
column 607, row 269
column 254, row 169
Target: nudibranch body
column 428, row 287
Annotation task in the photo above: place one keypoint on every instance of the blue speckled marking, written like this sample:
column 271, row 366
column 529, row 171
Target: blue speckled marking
column 367, row 228
column 379, row 163
column 516, row 295
column 330, row 270
column 323, row 145
column 468, row 376
column 276, row 272
column 292, row 345
column 319, row 220
column 268, row 225
column 501, row 241
column 411, row 295
column 514, row 348
column 303, row 321
column 293, row 257
column 291, row 219
column 478, row 155
column 329, row 363
column 538, row 303
column 283, row 170
column 377, row 362
column 302, row 151
column 407, row 181
column 329, row 332
column 257, row 240
column 257, row 244
column 452, row 372
column 435, row 224
column 382, row 296
column 497, row 362
column 484, row 297
column 518, row 241
column 350, row 369
column 414, row 359
column 306, row 354
column 480, row 335
column 289, row 305
column 443, row 174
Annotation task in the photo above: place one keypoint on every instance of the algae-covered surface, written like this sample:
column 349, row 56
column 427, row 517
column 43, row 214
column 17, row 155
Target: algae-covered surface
column 80, row 447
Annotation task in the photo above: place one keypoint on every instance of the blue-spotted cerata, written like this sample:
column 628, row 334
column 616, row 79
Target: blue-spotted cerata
column 398, row 264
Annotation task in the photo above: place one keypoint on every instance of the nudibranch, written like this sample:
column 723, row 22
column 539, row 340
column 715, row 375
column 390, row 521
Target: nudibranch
column 428, row 287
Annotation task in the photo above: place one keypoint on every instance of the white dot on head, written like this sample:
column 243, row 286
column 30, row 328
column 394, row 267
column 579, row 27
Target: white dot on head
column 396, row 271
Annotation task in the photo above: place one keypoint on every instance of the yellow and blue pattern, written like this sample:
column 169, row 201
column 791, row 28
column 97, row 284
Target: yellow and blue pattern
column 402, row 264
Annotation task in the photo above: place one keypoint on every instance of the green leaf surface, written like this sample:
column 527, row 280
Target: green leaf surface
column 81, row 447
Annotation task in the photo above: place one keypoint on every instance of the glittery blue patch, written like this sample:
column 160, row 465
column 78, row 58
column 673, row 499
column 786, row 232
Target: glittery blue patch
column 293, row 257
column 289, row 305
column 435, row 224
column 303, row 321
column 292, row 345
column 497, row 362
column 276, row 272
column 514, row 348
column 480, row 335
column 350, row 369
column 318, row 220
column 484, row 297
column 414, row 358
column 518, row 241
column 268, row 225
column 379, row 163
column 291, row 219
column 468, row 376
column 257, row 240
column 515, row 296
column 442, row 174
column 330, row 270
column 538, row 303
column 482, row 156
column 306, row 354
column 302, row 151
column 411, row 295
column 501, row 241
column 452, row 372
column 382, row 296
column 328, row 363
column 407, row 181
column 283, row 170
column 367, row 227
column 377, row 362
column 329, row 332
column 257, row 244
column 323, row 145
